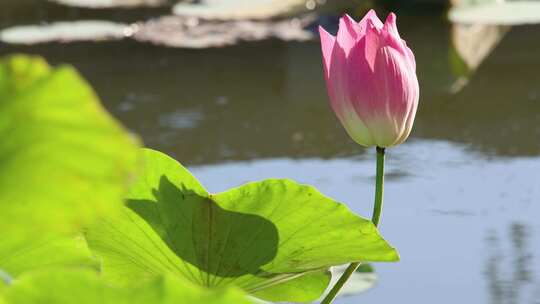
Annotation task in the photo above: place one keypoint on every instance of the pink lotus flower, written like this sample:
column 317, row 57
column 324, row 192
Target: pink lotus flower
column 371, row 80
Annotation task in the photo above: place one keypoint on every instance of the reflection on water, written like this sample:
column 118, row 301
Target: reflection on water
column 510, row 278
column 471, row 45
column 260, row 110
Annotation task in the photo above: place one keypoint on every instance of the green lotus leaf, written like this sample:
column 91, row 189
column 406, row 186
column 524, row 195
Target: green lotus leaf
column 305, row 288
column 45, row 253
column 85, row 287
column 255, row 237
column 63, row 160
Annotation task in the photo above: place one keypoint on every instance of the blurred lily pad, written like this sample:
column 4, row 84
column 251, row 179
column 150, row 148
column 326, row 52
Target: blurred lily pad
column 497, row 13
column 170, row 31
column 174, row 31
column 363, row 279
column 473, row 2
column 254, row 237
column 112, row 3
column 240, row 9
column 88, row 30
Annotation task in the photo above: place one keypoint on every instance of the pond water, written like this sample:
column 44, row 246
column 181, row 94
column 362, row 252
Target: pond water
column 463, row 193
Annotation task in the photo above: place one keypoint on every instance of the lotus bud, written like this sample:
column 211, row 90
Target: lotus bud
column 371, row 79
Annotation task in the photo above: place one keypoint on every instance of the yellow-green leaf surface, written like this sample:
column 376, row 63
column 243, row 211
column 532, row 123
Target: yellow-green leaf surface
column 305, row 288
column 63, row 160
column 85, row 287
column 255, row 237
column 45, row 253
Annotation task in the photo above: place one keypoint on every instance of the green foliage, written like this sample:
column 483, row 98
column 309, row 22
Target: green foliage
column 305, row 288
column 85, row 287
column 46, row 253
column 63, row 160
column 66, row 164
column 256, row 236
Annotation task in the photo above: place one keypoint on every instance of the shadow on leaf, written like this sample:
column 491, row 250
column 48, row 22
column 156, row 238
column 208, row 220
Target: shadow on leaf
column 219, row 242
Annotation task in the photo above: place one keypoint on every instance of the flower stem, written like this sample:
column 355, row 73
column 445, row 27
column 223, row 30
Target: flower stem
column 377, row 208
column 379, row 187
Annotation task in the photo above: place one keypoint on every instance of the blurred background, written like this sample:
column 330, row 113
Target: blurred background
column 234, row 90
